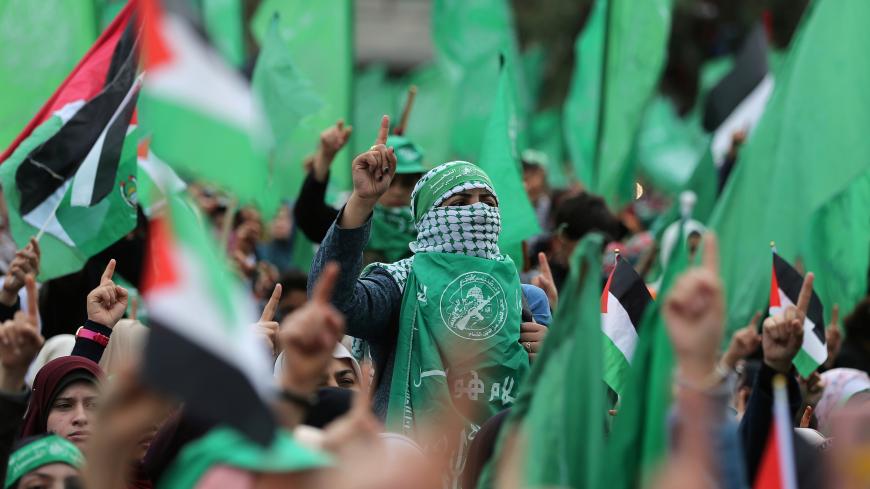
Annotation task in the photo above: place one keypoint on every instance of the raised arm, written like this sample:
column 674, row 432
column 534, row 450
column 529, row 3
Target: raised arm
column 368, row 303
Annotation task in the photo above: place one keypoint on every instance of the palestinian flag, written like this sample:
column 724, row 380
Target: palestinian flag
column 202, row 116
column 71, row 173
column 156, row 180
column 623, row 302
column 202, row 349
column 777, row 468
column 738, row 100
column 785, row 287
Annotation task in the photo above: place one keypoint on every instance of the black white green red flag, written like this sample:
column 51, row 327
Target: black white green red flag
column 623, row 303
column 785, row 287
column 202, row 349
column 70, row 176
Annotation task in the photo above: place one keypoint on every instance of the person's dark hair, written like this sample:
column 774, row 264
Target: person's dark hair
column 407, row 180
column 584, row 213
column 293, row 280
column 747, row 372
column 857, row 323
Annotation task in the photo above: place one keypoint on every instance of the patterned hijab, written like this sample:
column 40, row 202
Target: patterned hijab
column 467, row 230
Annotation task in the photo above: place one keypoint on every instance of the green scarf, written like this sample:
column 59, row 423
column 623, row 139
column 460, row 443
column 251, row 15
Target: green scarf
column 224, row 446
column 49, row 449
column 459, row 322
column 392, row 230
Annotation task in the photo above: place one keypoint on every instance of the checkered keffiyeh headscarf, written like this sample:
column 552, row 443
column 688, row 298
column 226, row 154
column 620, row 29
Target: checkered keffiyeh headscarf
column 467, row 230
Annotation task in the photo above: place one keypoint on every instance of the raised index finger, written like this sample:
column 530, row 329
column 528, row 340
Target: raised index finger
column 545, row 266
column 384, row 131
column 32, row 299
column 806, row 293
column 108, row 272
column 272, row 305
column 325, row 284
column 711, row 253
column 835, row 315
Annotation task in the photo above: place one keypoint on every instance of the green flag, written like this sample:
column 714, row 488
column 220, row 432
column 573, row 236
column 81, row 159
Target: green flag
column 287, row 99
column 40, row 43
column 638, row 441
column 499, row 159
column 316, row 34
column 373, row 96
column 223, row 22
column 469, row 37
column 546, row 137
column 564, row 428
column 804, row 168
column 633, row 39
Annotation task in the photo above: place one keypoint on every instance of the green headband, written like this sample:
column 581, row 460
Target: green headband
column 49, row 449
column 224, row 446
column 409, row 156
column 441, row 179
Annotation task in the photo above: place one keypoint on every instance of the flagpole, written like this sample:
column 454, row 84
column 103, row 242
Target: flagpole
column 228, row 222
column 406, row 112
column 48, row 219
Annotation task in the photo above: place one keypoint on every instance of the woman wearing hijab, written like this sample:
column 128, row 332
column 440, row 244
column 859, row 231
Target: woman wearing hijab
column 64, row 399
column 46, row 461
column 454, row 306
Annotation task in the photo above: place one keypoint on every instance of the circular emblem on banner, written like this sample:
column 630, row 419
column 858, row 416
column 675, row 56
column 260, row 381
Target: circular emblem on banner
column 473, row 306
column 129, row 191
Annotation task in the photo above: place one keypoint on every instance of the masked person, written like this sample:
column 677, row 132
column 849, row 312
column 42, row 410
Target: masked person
column 443, row 325
column 392, row 223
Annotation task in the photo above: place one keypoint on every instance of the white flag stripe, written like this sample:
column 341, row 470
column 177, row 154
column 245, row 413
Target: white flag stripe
column 83, row 180
column 189, row 309
column 617, row 325
column 224, row 95
column 744, row 117
column 812, row 345
column 45, row 215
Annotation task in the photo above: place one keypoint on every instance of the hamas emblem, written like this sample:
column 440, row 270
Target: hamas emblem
column 129, row 191
column 473, row 306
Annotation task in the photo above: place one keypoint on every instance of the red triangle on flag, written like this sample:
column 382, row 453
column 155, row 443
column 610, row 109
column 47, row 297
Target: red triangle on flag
column 774, row 289
column 160, row 264
column 85, row 81
column 769, row 474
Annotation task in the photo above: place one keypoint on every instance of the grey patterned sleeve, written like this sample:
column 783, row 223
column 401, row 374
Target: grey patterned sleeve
column 370, row 303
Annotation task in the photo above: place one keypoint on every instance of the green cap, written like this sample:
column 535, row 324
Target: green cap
column 227, row 447
column 441, row 179
column 50, row 449
column 409, row 156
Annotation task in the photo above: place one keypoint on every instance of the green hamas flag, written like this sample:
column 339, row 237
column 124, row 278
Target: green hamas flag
column 801, row 178
column 499, row 159
column 562, row 430
column 469, row 37
column 632, row 37
column 373, row 96
column 34, row 62
column 638, row 441
column 223, row 22
column 287, row 99
column 314, row 33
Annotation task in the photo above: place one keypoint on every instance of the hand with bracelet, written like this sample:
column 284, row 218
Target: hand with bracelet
column 26, row 262
column 694, row 311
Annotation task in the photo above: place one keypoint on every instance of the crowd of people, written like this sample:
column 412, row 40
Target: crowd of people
column 410, row 313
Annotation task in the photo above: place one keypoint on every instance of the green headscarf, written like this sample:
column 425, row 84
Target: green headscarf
column 226, row 447
column 49, row 449
column 442, row 179
column 409, row 156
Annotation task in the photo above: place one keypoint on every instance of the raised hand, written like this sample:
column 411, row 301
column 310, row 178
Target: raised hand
column 373, row 170
column 545, row 281
column 267, row 327
column 332, row 140
column 694, row 311
column 26, row 262
column 20, row 342
column 743, row 343
column 783, row 334
column 107, row 303
column 309, row 335
column 833, row 338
